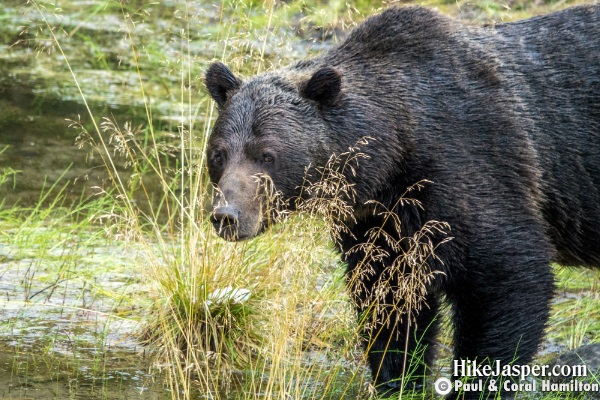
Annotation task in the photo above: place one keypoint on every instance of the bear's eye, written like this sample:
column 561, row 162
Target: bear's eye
column 218, row 157
column 268, row 158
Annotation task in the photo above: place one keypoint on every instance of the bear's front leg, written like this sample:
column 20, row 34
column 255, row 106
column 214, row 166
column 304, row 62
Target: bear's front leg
column 399, row 341
column 399, row 354
column 395, row 281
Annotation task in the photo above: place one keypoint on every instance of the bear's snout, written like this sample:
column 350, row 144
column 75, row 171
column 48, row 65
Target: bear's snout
column 226, row 220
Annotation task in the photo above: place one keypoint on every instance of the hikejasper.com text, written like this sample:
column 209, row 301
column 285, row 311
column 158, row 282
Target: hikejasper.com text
column 473, row 369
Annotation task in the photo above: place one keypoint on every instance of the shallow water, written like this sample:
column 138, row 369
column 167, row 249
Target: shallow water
column 64, row 332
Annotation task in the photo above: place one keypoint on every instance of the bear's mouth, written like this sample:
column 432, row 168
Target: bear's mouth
column 229, row 233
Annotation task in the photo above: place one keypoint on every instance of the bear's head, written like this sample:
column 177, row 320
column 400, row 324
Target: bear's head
column 270, row 129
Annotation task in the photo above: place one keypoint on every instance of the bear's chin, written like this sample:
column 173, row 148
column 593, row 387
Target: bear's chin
column 231, row 234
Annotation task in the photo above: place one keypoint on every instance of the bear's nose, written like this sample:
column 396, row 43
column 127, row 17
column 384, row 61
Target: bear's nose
column 225, row 217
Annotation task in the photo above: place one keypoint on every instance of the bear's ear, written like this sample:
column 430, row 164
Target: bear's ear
column 220, row 82
column 323, row 87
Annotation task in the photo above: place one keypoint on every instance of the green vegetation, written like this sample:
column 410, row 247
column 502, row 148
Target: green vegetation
column 120, row 248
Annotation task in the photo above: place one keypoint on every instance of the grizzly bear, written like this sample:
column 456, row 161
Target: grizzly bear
column 499, row 124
